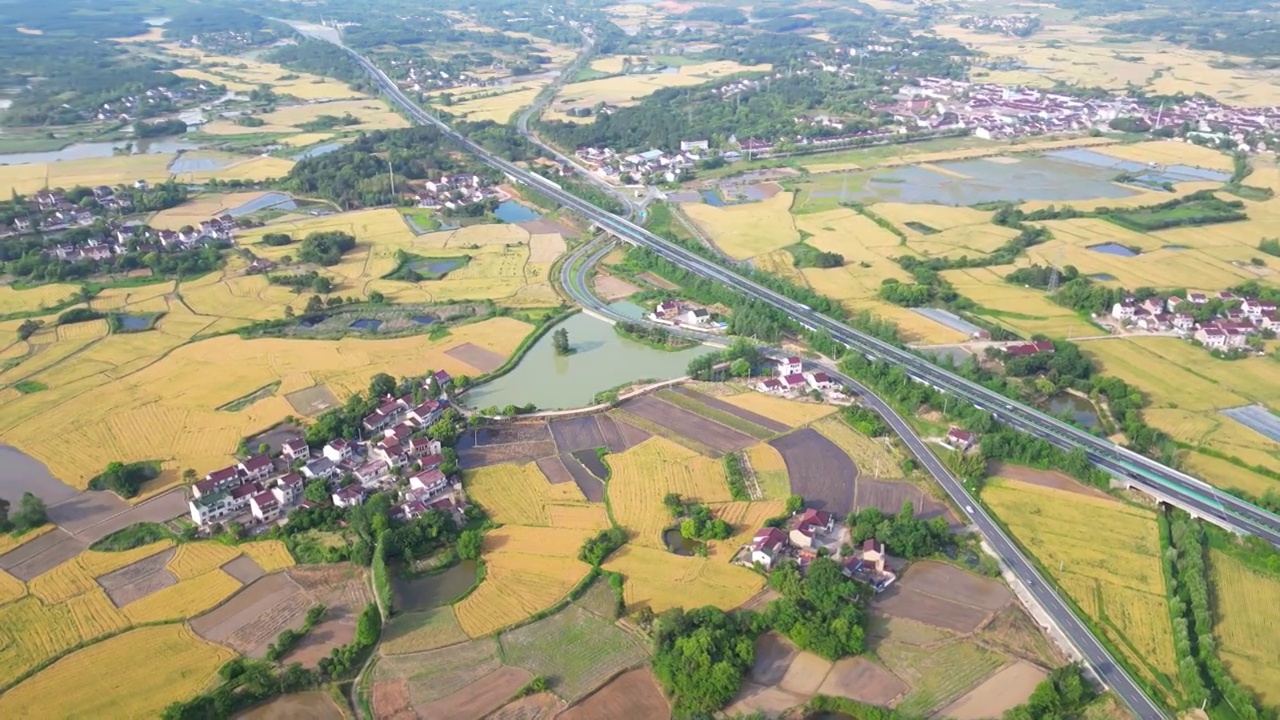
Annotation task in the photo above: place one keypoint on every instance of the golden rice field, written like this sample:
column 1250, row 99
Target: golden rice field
column 78, row 574
column 1229, row 476
column 521, row 495
column 746, row 518
column 507, row 263
column 135, row 685
column 95, row 615
column 156, row 398
column 770, row 470
column 749, row 229
column 526, row 570
column 197, row 558
column 270, row 555
column 629, row 89
column 34, row 299
column 1245, row 625
column 660, row 580
column 1176, row 373
column 305, row 139
column 642, row 475
column 186, row 599
column 873, row 456
column 11, row 588
column 242, row 74
column 201, row 207
column 496, row 104
column 1105, row 555
column 31, row 632
column 1018, row 308
column 373, row 115
column 112, row 171
column 788, row 412
column 256, row 169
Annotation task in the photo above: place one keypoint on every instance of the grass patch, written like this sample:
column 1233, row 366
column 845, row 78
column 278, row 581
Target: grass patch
column 133, row 536
column 1202, row 208
column 245, row 401
column 574, row 649
column 1249, row 192
column 421, row 220
column 418, row 631
column 807, row 256
column 937, row 675
column 414, row 268
column 720, row 416
column 26, row 387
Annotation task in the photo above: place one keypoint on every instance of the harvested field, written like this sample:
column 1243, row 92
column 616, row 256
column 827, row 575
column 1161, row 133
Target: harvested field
column 938, row 675
column 1013, row 631
column 620, row 436
column 553, row 468
column 435, row 674
column 805, row 674
column 943, row 596
column 254, row 616
column 610, row 288
column 506, row 434
column 592, row 487
column 574, row 434
column 477, row 357
column 138, row 580
column 905, row 602
column 741, row 413
column 517, row 453
column 872, row 455
column 774, row 654
column 951, row 582
column 391, row 700
column 818, row 470
column 85, row 510
column 419, row 631
column 889, row 496
column 594, row 465
column 539, row 706
column 772, row 701
column 345, row 591
column 1043, row 478
column 633, row 695
column 42, row 554
column 998, row 694
column 770, row 471
column 793, row 413
column 312, row 401
column 684, row 423
column 860, row 679
column 575, row 650
column 480, row 698
column 244, row 569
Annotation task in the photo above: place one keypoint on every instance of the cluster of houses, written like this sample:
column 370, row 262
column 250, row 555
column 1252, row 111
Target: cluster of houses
column 644, row 167
column 262, row 489
column 805, row 535
column 429, row 79
column 120, row 239
column 150, row 102
column 1011, row 25
column 792, row 379
column 1241, row 318
column 678, row 314
column 451, row 192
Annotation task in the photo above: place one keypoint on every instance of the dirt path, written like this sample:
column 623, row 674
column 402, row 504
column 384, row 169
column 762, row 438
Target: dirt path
column 749, row 476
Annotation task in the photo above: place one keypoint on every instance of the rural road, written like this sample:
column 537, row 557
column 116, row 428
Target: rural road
column 574, row 279
column 1098, row 657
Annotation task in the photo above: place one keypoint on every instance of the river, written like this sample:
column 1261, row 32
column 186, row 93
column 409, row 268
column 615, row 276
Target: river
column 602, row 360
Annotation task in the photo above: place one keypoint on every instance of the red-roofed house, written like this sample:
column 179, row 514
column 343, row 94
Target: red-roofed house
column 420, row 447
column 217, row 481
column 772, row 386
column 442, row 378
column 264, row 506
column 337, row 450
column 790, row 366
column 427, row 413
column 429, row 481
column 1028, row 348
column 795, row 381
column 802, row 537
column 961, row 439
column 766, row 546
column 820, row 521
column 820, row 380
column 873, row 554
column 257, row 467
column 296, row 449
column 349, row 496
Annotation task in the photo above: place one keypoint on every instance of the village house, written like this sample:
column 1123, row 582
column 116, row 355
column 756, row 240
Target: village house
column 321, row 468
column 264, row 506
column 1028, row 348
column 218, row 481
column 790, row 366
column 802, row 537
column 820, row 381
column 295, row 449
column 429, row 481
column 959, row 439
column 387, row 414
column 257, row 467
column 767, row 546
column 337, row 450
column 369, row 473
column 772, row 386
column 795, row 381
column 349, row 496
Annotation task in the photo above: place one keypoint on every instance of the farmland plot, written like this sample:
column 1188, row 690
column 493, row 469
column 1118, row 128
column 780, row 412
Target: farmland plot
column 1243, row 626
column 819, row 470
column 744, row 231
column 643, row 475
column 660, row 580
column 683, row 423
column 519, row 494
column 574, row 649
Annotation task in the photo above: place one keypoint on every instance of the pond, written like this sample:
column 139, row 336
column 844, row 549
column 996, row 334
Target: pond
column 271, row 200
column 314, row 705
column 712, row 198
column 423, row 319
column 513, row 212
column 1074, row 406
column 678, row 543
column 433, row 590
column 367, row 324
column 438, row 266
column 81, row 151
column 1103, row 277
column 601, row 361
column 1146, row 174
column 134, row 323
column 317, row 151
column 1005, row 179
column 188, row 163
column 1111, row 248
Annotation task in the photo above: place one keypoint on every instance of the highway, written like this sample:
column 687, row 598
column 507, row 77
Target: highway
column 573, row 277
column 1190, row 493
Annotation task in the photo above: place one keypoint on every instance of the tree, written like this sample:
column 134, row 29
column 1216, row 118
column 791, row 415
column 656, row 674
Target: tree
column 317, row 491
column 322, row 285
column 314, row 305
column 381, row 385
column 31, row 513
column 795, row 504
column 5, row 524
column 740, row 368
column 443, row 430
column 560, row 342
column 376, row 297
column 28, row 328
column 469, row 544
column 674, row 504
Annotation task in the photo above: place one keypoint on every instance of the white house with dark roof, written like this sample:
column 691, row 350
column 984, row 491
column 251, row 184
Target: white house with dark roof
column 320, row 468
column 790, row 366
column 295, row 449
column 257, row 467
